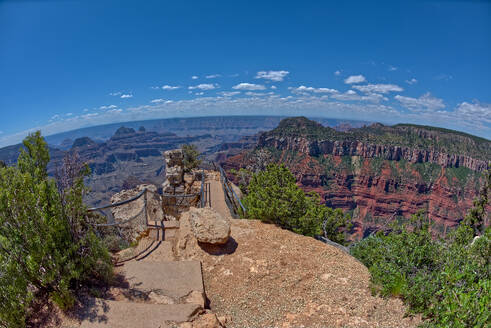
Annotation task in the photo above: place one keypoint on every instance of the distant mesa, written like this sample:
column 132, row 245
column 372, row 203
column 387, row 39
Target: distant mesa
column 83, row 142
column 123, row 130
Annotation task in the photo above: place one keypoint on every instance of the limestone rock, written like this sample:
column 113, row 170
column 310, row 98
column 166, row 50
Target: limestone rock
column 174, row 175
column 173, row 157
column 133, row 229
column 209, row 226
column 207, row 320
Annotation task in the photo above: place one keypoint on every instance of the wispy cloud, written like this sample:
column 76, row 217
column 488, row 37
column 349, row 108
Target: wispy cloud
column 108, row 107
column 213, row 76
column 156, row 101
column 476, row 111
column 170, row 87
column 444, row 77
column 229, row 93
column 126, row 95
column 276, row 76
column 203, row 86
column 351, row 95
column 115, row 93
column 425, row 102
column 355, row 79
column 337, row 73
column 392, row 68
column 194, row 77
column 305, row 89
column 412, row 81
column 248, row 86
column 378, row 88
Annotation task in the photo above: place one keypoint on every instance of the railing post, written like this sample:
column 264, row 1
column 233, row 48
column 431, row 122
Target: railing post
column 145, row 206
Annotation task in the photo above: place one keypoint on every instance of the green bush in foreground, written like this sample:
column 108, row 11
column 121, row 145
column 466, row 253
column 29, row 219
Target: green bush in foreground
column 449, row 281
column 47, row 246
column 274, row 197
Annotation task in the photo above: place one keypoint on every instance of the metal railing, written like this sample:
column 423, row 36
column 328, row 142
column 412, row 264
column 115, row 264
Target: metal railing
column 233, row 201
column 124, row 202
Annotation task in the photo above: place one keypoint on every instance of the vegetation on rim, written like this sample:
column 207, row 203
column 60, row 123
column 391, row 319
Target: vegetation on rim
column 448, row 280
column 404, row 135
column 48, row 246
column 273, row 196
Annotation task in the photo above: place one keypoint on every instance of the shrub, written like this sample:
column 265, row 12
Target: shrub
column 191, row 157
column 47, row 246
column 446, row 280
column 274, row 197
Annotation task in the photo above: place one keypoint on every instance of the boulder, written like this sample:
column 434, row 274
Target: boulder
column 209, row 226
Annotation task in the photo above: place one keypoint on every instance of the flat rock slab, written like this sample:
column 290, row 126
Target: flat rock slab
column 114, row 314
column 173, row 279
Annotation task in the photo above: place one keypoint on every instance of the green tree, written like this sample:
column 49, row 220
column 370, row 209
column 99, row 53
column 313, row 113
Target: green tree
column 191, row 157
column 477, row 217
column 274, row 197
column 446, row 280
column 47, row 245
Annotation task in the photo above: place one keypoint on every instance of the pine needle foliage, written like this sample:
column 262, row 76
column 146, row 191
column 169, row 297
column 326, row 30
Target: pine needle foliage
column 47, row 245
column 447, row 280
column 274, row 197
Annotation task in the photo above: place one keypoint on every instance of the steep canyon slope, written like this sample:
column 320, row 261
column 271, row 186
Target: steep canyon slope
column 378, row 173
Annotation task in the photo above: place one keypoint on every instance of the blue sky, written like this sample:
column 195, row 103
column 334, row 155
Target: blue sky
column 70, row 64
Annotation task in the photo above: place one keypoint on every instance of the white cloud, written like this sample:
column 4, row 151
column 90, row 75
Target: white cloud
column 354, row 79
column 127, row 95
column 258, row 94
column 229, row 93
column 194, row 77
column 473, row 117
column 155, row 88
column 213, row 76
column 248, row 86
column 475, row 111
column 170, row 87
column 337, row 73
column 425, row 102
column 351, row 95
column 204, row 86
column 68, row 114
column 392, row 68
column 115, row 93
column 199, row 93
column 108, row 107
column 304, row 89
column 276, row 76
column 156, row 101
column 412, row 81
column 274, row 87
column 378, row 88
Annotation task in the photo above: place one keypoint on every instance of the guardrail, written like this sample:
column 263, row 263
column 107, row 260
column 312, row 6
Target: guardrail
column 144, row 209
column 233, row 201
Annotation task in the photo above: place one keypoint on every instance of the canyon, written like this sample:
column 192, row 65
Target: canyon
column 378, row 177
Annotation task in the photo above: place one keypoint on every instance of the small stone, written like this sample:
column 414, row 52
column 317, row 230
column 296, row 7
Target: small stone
column 207, row 320
column 160, row 299
column 195, row 297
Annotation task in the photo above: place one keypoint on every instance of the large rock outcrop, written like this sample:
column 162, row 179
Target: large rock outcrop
column 133, row 229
